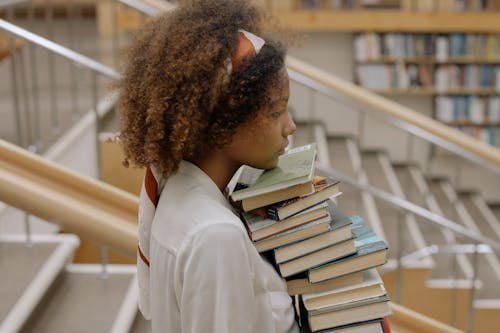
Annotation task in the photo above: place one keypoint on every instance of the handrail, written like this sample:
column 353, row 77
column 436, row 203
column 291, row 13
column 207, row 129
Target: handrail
column 410, row 207
column 79, row 203
column 412, row 320
column 60, row 50
column 470, row 148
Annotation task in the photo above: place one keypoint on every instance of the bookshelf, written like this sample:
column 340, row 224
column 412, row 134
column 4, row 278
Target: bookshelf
column 445, row 52
column 459, row 71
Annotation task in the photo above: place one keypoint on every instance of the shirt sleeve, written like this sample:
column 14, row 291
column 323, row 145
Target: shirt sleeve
column 216, row 279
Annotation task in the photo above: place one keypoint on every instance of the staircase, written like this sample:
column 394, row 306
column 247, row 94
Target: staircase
column 42, row 291
column 437, row 284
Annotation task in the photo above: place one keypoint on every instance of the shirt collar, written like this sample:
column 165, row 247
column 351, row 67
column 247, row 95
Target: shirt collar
column 204, row 180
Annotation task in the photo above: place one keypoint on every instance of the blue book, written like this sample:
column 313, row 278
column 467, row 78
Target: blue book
column 371, row 251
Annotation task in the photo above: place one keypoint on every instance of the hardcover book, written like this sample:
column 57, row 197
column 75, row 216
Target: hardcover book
column 293, row 235
column 316, row 258
column 371, row 252
column 371, row 287
column 333, row 319
column 301, row 285
column 339, row 231
column 260, row 227
column 324, row 188
column 295, row 167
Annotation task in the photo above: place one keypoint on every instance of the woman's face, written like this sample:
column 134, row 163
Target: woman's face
column 260, row 143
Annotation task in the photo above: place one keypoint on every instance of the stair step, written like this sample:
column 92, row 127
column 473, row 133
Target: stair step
column 140, row 325
column 455, row 209
column 343, row 159
column 27, row 271
column 416, row 191
column 484, row 216
column 82, row 300
column 381, row 175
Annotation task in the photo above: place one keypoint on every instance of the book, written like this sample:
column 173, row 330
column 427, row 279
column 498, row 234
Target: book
column 324, row 188
column 303, row 286
column 262, row 200
column 332, row 319
column 260, row 227
column 340, row 230
column 371, row 252
column 370, row 326
column 295, row 167
column 316, row 258
column 293, row 235
column 370, row 287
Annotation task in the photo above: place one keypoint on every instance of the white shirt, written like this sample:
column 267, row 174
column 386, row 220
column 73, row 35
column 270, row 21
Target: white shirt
column 206, row 275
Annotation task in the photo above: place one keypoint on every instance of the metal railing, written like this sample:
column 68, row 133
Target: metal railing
column 26, row 93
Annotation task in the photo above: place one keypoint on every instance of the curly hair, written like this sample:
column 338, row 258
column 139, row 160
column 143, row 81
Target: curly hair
column 178, row 100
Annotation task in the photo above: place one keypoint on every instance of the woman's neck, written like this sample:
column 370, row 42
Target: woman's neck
column 218, row 167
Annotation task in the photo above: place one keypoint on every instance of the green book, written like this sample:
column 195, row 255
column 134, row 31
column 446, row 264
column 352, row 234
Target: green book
column 295, row 167
column 371, row 251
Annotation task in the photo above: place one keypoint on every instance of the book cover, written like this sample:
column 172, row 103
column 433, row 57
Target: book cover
column 295, row 167
column 339, row 230
column 324, row 188
column 371, row 252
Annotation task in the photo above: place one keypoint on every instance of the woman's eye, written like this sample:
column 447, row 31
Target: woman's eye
column 276, row 114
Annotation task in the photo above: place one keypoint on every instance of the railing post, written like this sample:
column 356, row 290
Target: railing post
column 116, row 34
column 73, row 14
column 54, row 113
column 398, row 278
column 27, row 229
column 103, row 250
column 470, row 315
column 312, row 105
column 15, row 93
column 454, row 302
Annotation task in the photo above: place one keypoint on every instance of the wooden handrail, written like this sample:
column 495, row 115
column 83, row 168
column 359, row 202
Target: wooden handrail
column 80, row 204
column 378, row 103
column 417, row 322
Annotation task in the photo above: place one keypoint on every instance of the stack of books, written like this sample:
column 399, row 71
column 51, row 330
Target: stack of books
column 327, row 258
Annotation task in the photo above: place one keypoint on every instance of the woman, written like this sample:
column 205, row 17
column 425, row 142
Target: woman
column 202, row 95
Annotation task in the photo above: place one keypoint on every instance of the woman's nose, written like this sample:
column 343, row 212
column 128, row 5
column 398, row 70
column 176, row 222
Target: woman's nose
column 290, row 127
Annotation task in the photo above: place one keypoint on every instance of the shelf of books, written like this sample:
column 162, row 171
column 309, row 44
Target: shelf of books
column 461, row 72
column 328, row 259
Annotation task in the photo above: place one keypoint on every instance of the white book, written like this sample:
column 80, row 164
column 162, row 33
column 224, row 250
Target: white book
column 444, row 109
column 360, row 53
column 442, row 48
column 441, row 79
column 476, row 111
column 494, row 109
